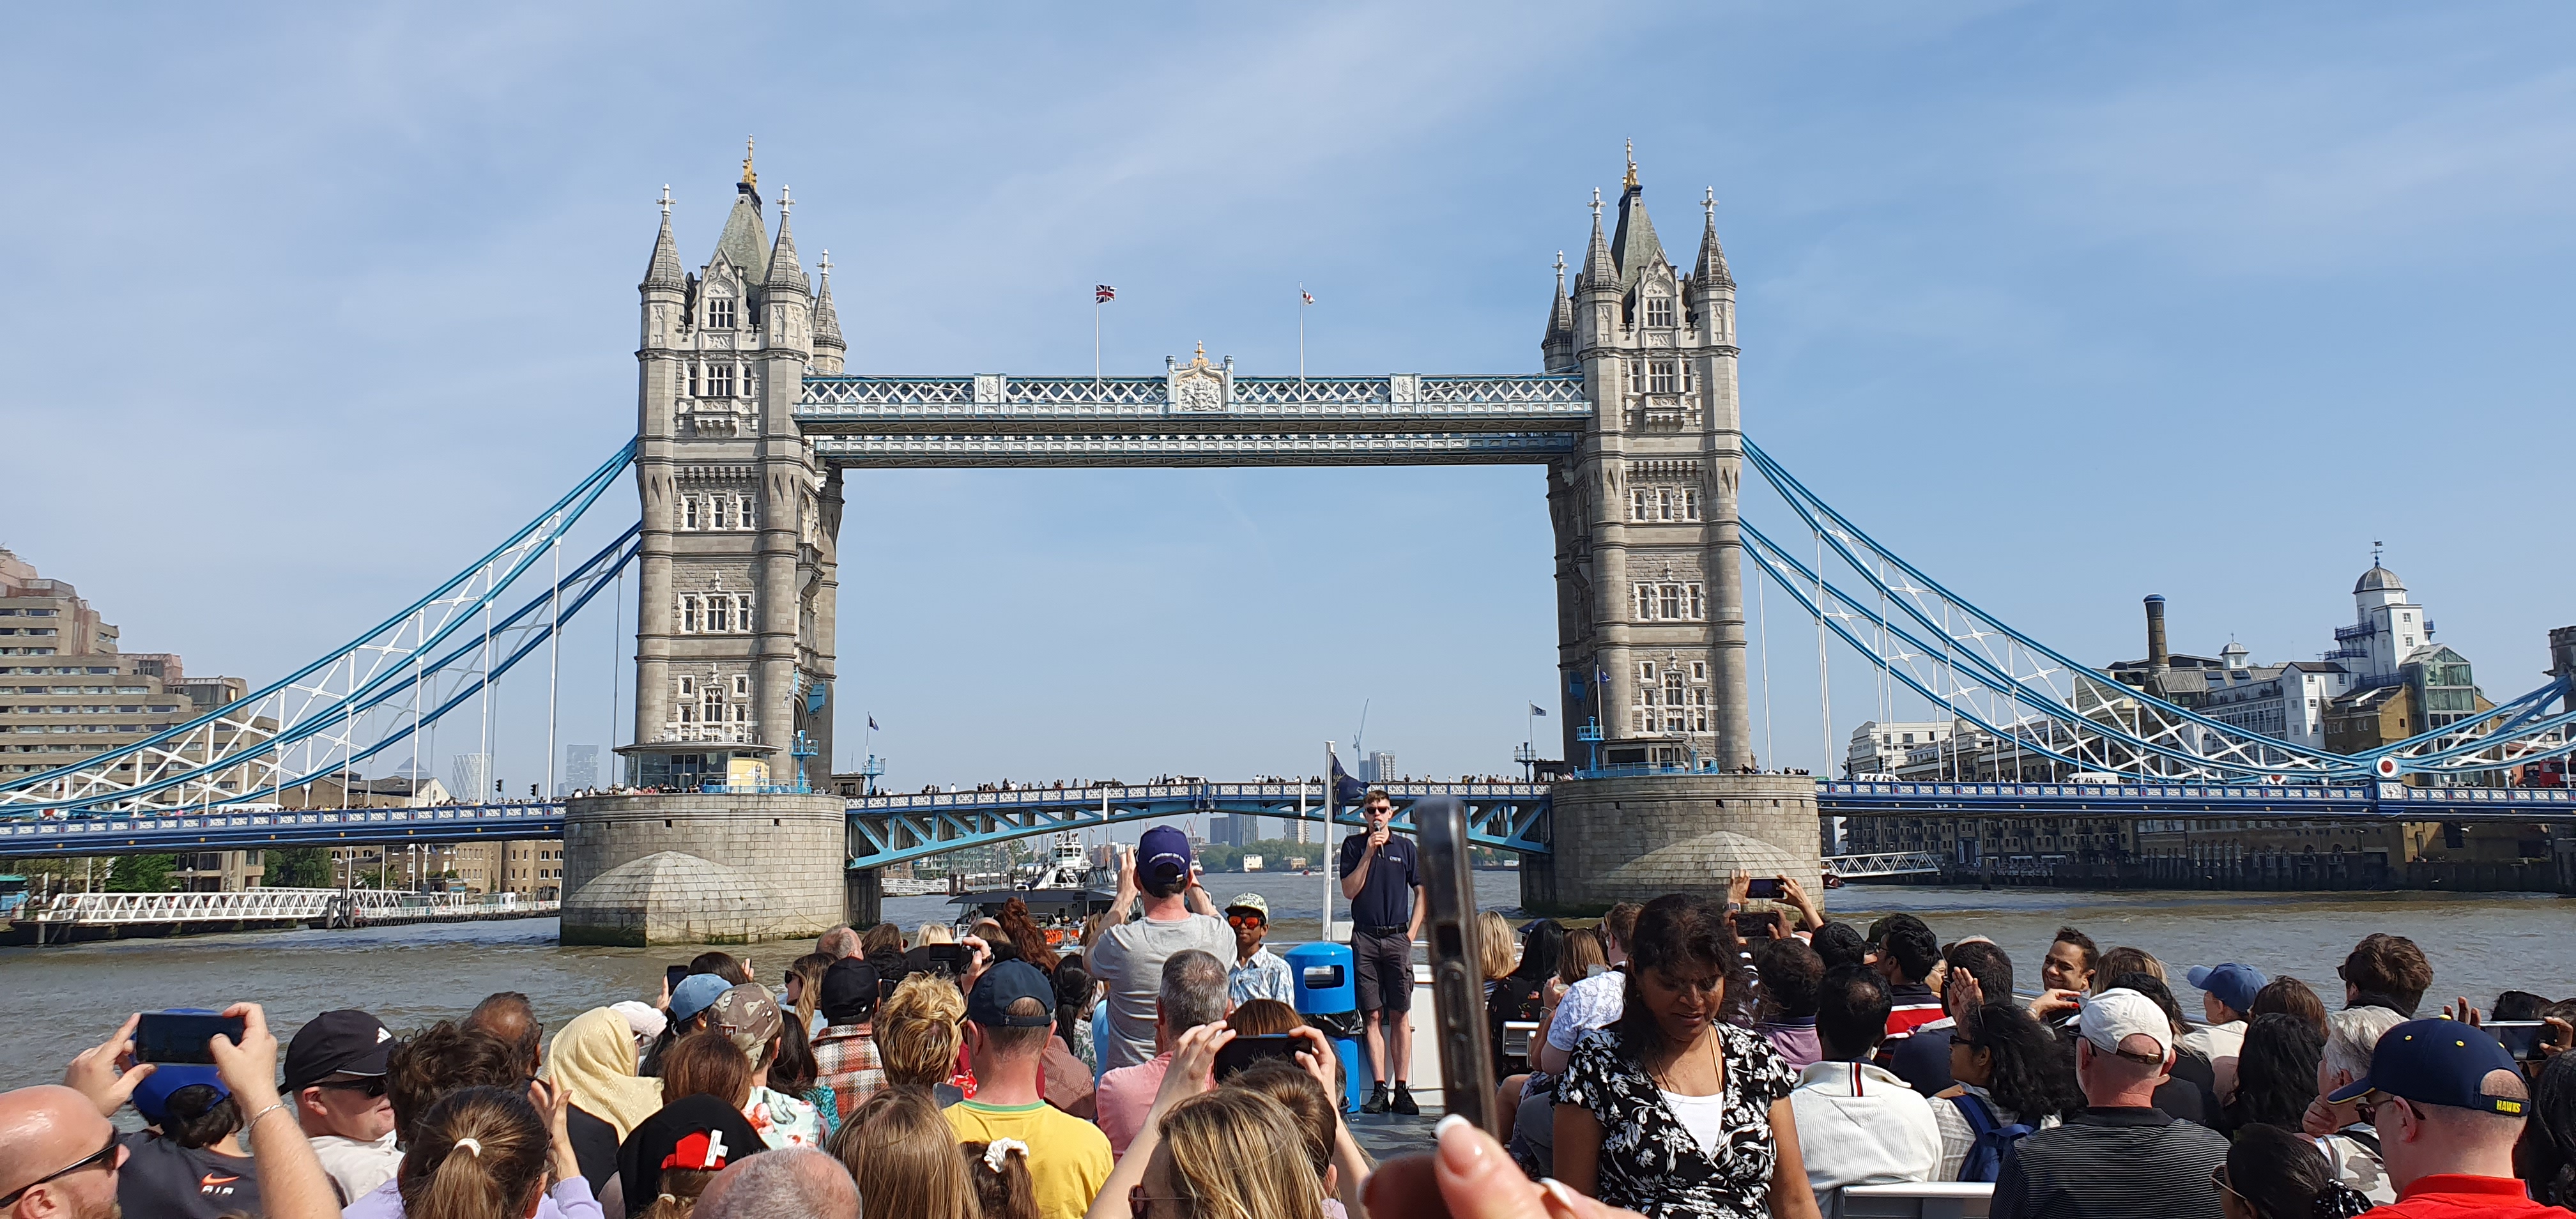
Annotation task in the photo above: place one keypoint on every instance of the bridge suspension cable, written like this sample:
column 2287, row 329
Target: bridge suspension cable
column 342, row 708
column 2085, row 719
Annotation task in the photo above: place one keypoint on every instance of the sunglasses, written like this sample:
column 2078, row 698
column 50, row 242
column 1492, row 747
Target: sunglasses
column 371, row 1087
column 108, row 1155
column 2366, row 1106
column 1246, row 920
column 2218, row 1177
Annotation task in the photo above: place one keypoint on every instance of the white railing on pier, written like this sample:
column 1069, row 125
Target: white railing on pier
column 915, row 886
column 1892, row 863
column 280, row 905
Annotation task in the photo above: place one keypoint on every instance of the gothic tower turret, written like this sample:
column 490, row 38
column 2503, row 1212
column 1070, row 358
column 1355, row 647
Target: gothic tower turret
column 829, row 350
column 732, row 648
column 1650, row 605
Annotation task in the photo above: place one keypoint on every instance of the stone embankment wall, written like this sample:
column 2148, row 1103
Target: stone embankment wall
column 1632, row 838
column 698, row 869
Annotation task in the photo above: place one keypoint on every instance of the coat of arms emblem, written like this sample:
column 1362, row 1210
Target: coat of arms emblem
column 1200, row 385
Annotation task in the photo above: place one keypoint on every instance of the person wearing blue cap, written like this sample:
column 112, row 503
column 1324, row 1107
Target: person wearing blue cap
column 190, row 1162
column 1177, row 915
column 1010, row 1015
column 2449, row 1104
column 2227, row 998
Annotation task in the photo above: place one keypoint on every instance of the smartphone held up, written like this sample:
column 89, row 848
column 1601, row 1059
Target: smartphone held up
column 1457, row 976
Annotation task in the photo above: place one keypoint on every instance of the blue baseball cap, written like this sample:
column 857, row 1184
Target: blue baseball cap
column 2441, row 1062
column 696, row 993
column 2234, row 984
column 1006, row 984
column 152, row 1095
column 1163, row 857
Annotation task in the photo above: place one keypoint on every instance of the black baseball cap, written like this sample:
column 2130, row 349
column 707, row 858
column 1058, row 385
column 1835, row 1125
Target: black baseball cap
column 347, row 1042
column 1006, row 984
column 2440, row 1062
column 849, row 991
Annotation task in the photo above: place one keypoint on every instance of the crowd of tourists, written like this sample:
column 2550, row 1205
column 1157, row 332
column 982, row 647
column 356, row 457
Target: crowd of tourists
column 1691, row 1057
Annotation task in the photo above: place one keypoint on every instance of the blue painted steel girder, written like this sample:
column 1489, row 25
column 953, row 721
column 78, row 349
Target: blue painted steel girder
column 219, row 830
column 2374, row 801
column 887, row 830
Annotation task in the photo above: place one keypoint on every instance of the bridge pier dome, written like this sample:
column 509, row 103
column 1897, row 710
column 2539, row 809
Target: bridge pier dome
column 1633, row 838
column 700, row 868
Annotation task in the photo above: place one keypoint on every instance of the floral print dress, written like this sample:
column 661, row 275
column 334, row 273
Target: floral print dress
column 1650, row 1162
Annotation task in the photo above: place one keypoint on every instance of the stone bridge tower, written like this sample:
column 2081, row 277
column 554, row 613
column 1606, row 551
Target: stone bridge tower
column 1650, row 599
column 1650, row 590
column 734, row 638
column 734, row 613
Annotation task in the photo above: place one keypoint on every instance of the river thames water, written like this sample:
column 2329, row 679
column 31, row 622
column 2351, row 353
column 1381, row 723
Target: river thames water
column 56, row 1000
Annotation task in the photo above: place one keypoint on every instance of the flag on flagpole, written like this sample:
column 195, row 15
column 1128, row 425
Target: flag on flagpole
column 1310, row 297
column 1347, row 790
column 1535, row 709
column 1103, row 294
column 872, row 724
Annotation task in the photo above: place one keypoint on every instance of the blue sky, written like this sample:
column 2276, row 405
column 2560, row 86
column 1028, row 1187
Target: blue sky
column 2071, row 304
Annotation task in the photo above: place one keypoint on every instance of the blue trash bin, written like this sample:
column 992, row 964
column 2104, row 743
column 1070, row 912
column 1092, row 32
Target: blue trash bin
column 1327, row 995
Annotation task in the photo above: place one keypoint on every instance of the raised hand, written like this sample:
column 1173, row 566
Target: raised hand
column 106, row 1073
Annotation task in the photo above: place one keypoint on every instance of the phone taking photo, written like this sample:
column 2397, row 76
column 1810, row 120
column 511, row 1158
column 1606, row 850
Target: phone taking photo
column 2521, row 1038
column 1457, row 974
column 1766, row 889
column 673, row 975
column 182, row 1037
column 1242, row 1052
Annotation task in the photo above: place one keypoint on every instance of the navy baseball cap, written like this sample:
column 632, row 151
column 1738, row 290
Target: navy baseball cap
column 2441, row 1062
column 1006, row 984
column 2234, row 984
column 1163, row 857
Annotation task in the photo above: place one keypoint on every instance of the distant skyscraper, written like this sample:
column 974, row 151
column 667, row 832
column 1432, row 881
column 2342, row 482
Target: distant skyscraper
column 1378, row 767
column 580, row 768
column 473, row 777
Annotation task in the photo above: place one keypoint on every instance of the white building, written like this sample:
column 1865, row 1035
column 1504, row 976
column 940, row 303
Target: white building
column 1880, row 748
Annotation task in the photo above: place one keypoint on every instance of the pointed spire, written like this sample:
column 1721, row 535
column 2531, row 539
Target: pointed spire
column 1598, row 270
column 1711, row 271
column 664, row 271
column 827, row 321
column 749, row 178
column 1635, row 244
column 1560, row 312
column 786, row 274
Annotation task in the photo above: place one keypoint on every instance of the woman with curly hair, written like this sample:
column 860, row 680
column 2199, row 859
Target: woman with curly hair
column 1027, row 936
column 2276, row 1074
column 2010, row 1071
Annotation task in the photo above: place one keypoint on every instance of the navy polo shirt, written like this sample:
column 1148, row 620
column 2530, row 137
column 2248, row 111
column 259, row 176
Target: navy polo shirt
column 1386, row 898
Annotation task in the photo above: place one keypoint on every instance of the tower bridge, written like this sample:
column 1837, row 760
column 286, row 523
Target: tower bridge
column 749, row 421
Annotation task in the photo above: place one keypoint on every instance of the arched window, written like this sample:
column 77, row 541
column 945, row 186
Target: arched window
column 742, row 617
column 723, row 506
column 742, row 512
column 719, row 614
column 689, row 518
column 1659, row 310
column 720, row 313
column 688, row 622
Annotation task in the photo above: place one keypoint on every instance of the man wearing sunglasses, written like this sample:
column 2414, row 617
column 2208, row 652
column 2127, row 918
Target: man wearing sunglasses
column 58, row 1156
column 2122, row 1156
column 2449, row 1105
column 335, row 1072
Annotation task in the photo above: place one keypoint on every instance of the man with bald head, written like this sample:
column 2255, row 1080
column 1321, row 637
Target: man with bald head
column 841, row 942
column 509, row 1016
column 788, row 1183
column 2122, row 1156
column 58, row 1156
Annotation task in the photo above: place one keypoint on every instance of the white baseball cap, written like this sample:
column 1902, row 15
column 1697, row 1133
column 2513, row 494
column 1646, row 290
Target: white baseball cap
column 2116, row 1015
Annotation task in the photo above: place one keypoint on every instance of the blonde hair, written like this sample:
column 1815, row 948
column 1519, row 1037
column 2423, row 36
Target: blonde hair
column 808, row 970
column 478, row 1153
column 903, row 1153
column 1496, row 951
column 934, row 933
column 1237, row 1154
column 1582, row 951
column 916, row 1031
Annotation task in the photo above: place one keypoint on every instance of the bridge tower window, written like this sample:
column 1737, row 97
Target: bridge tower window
column 723, row 512
column 719, row 381
column 719, row 614
column 1663, row 376
column 742, row 512
column 689, row 513
column 1659, row 311
column 742, row 685
column 720, row 313
column 688, row 626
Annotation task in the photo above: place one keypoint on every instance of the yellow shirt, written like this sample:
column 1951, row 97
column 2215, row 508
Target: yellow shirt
column 1068, row 1157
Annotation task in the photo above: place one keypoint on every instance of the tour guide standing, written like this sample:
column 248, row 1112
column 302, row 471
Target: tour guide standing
column 1383, row 880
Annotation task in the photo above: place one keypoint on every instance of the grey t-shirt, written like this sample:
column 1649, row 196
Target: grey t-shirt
column 1129, row 961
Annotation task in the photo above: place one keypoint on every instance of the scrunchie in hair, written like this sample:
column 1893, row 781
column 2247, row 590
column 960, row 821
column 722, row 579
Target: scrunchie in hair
column 2339, row 1201
column 997, row 1154
column 469, row 1145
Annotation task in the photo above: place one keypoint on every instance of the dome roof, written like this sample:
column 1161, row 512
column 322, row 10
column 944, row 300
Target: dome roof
column 2378, row 578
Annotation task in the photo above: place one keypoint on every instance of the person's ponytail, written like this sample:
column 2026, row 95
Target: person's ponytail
column 479, row 1153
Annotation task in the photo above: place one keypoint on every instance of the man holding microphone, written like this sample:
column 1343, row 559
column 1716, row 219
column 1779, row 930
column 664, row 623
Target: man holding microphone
column 1382, row 879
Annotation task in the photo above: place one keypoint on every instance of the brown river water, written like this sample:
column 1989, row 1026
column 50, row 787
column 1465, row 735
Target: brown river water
column 56, row 1000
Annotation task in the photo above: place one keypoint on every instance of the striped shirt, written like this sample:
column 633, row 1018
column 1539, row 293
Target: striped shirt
column 2113, row 1164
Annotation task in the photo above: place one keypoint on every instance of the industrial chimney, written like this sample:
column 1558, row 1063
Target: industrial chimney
column 2159, row 660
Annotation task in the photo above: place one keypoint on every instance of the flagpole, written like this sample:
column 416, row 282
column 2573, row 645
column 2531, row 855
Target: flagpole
column 1332, row 856
column 1301, row 334
column 1095, row 338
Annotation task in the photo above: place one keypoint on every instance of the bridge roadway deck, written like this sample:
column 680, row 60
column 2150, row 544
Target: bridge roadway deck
column 890, row 829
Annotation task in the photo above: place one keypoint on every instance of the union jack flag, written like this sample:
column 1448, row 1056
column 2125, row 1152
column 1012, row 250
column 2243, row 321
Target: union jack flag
column 1310, row 297
column 1103, row 294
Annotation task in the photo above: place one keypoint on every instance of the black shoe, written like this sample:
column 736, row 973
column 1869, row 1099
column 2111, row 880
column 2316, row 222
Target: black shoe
column 1404, row 1101
column 1377, row 1101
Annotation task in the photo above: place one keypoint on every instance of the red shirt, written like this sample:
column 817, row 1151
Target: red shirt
column 2460, row 1196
